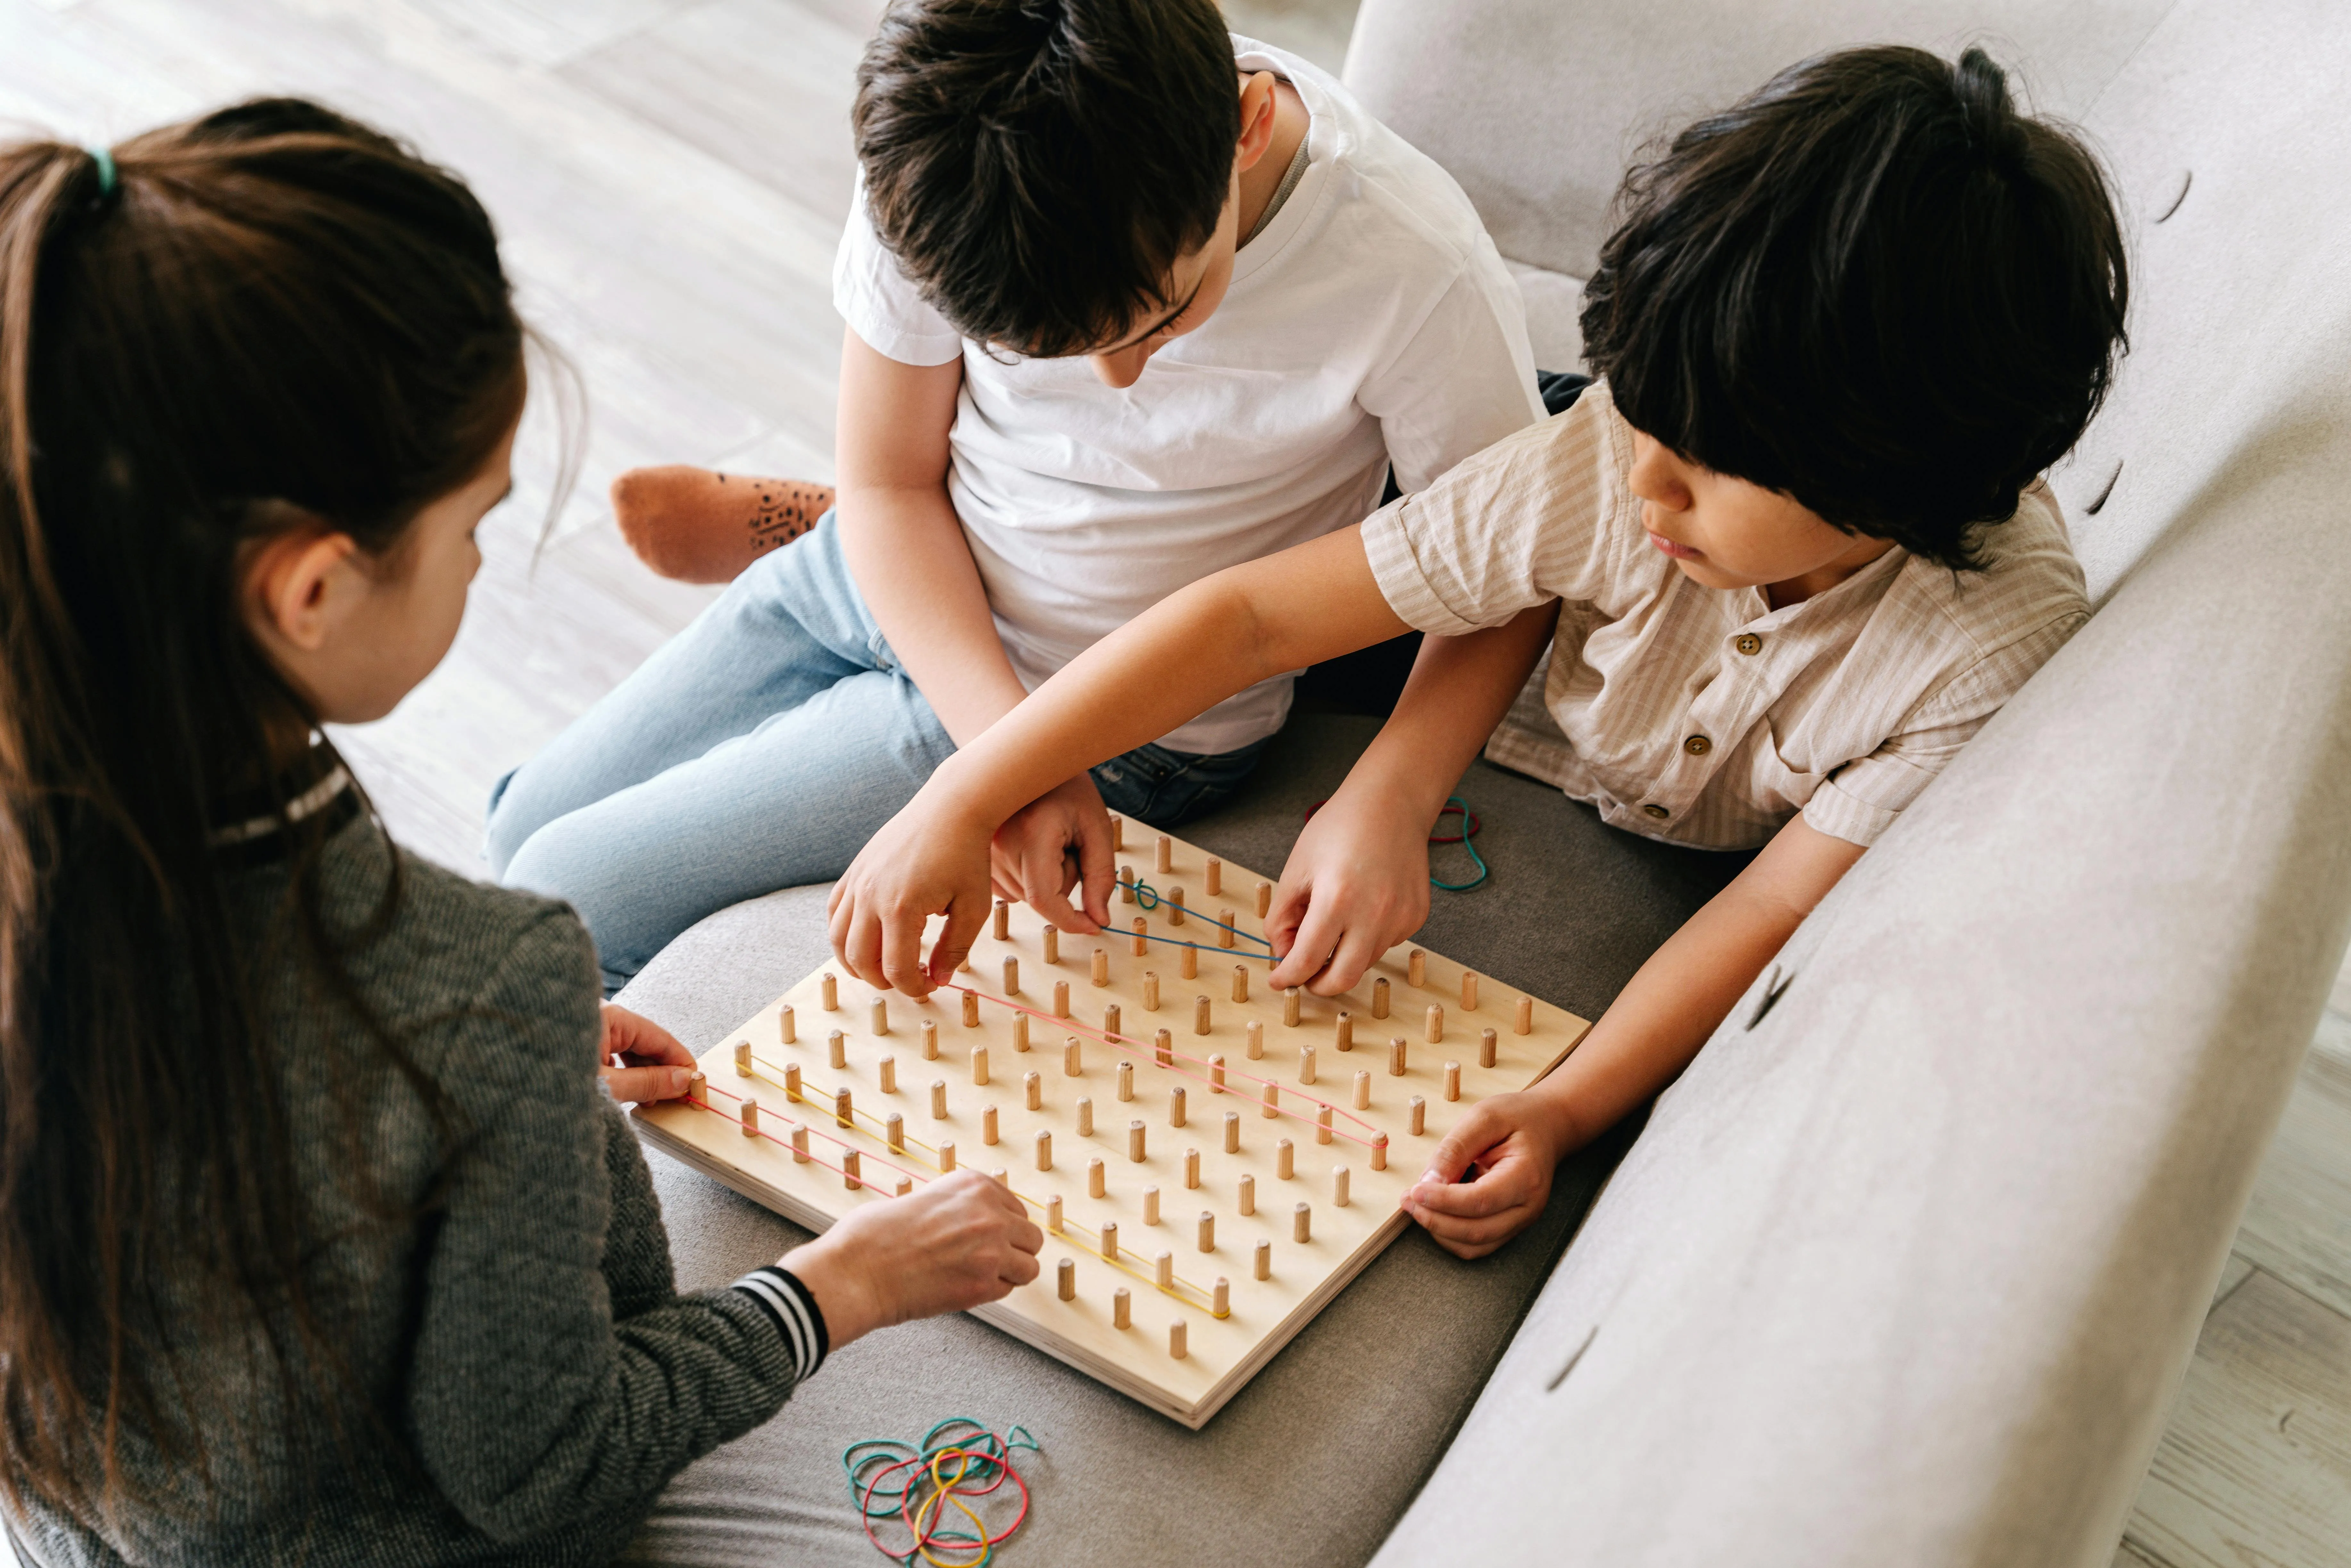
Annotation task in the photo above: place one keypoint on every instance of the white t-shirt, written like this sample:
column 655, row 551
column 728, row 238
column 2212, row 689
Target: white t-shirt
column 1371, row 322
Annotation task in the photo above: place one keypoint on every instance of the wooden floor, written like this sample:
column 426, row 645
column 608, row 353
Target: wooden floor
column 669, row 177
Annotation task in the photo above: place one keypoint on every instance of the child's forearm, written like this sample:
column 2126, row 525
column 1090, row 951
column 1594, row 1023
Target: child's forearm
column 1460, row 690
column 1221, row 635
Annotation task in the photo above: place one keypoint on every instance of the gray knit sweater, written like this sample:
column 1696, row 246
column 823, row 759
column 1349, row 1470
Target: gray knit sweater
column 534, row 1375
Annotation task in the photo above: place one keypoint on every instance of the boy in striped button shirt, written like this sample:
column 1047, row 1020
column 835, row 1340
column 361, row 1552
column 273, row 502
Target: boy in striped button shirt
column 1789, row 554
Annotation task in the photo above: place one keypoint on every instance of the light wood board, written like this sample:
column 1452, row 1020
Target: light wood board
column 1221, row 1353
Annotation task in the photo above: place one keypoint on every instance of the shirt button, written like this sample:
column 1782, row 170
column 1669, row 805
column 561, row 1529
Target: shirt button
column 1657, row 811
column 1698, row 746
column 1748, row 643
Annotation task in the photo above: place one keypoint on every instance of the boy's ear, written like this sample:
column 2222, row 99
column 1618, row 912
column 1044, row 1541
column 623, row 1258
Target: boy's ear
column 1257, row 117
column 295, row 581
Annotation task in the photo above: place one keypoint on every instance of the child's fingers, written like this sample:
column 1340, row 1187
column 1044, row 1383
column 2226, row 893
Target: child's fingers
column 1476, row 1132
column 857, row 941
column 642, row 1085
column 1362, row 947
column 953, row 945
column 1097, row 867
column 1310, row 944
column 1475, row 1237
column 635, row 1035
column 1510, row 1182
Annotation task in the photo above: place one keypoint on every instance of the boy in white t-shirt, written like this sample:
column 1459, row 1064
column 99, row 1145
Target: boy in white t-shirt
column 1129, row 300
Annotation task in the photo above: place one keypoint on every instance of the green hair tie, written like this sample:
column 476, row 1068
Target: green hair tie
column 105, row 169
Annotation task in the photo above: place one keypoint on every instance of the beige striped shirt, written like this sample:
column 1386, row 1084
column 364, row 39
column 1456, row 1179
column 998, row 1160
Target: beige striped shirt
column 1702, row 715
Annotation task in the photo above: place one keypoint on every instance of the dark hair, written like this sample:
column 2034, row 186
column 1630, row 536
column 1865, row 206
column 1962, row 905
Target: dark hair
column 1874, row 285
column 1038, row 166
column 270, row 317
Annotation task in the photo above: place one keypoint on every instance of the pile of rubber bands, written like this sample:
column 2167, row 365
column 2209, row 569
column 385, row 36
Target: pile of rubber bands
column 958, row 1462
column 1470, row 828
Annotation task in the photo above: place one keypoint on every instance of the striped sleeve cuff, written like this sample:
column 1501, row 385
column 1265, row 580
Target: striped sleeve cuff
column 793, row 1311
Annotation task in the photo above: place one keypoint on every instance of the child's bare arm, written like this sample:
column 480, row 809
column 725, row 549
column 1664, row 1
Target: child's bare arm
column 1646, row 1036
column 1177, row 659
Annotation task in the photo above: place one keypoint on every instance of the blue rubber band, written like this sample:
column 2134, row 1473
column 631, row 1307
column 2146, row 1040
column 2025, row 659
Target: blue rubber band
column 106, row 174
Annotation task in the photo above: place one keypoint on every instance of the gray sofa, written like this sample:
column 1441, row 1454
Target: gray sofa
column 1905, row 1269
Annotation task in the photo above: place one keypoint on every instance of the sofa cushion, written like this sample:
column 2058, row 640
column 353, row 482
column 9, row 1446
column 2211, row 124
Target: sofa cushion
column 1315, row 1461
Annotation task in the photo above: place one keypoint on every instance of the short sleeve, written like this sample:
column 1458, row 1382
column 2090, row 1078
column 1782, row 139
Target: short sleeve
column 1523, row 522
column 1859, row 800
column 1463, row 381
column 878, row 302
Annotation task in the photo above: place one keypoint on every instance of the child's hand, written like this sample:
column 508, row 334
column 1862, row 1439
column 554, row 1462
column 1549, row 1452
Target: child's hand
column 1355, row 885
column 959, row 1242
column 1514, row 1141
column 927, row 860
column 1053, row 844
column 640, row 1061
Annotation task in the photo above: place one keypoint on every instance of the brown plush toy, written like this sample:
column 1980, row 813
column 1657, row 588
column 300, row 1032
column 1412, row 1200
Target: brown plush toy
column 699, row 526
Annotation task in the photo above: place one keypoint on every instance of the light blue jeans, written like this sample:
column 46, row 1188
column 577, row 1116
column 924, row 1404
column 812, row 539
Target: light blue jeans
column 758, row 748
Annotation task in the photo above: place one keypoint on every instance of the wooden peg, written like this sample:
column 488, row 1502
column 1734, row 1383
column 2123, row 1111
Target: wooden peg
column 1256, row 1040
column 1001, row 1177
column 1486, row 1043
column 905, row 1184
column 1044, row 1151
column 1126, row 1080
column 1264, row 898
column 1151, row 990
column 1289, row 1008
column 1301, row 1223
column 842, row 1115
column 1240, row 985
column 1217, row 1072
column 742, row 1059
column 930, row 1040
column 1052, row 936
column 1222, row 1297
column 1060, row 998
column 1265, row 1260
column 1111, row 1020
column 939, row 1099
column 1453, row 1081
column 1339, row 1186
column 1435, row 1028
column 1187, row 962
column 1232, row 1132
column 1033, row 1085
column 697, row 1089
column 1073, row 1064
column 831, row 989
column 1003, row 919
column 971, row 1010
column 1228, row 936
column 1380, row 1152
column 1285, row 1160
column 1306, row 1064
column 1110, row 1250
column 1142, row 937
column 987, row 1126
column 792, row 1081
column 1120, row 1302
column 1380, row 997
column 1363, row 1089
column 836, row 1045
column 1163, row 1269
column 1272, row 1093
column 1126, row 884
column 1199, row 1014
column 749, row 1118
column 1416, row 969
column 894, row 1132
column 1207, row 1231
column 1419, row 1116
column 1065, row 1279
column 1522, row 1020
column 799, row 1145
column 1322, row 1124
column 1163, row 1048
column 887, row 1069
column 1085, row 1117
column 1212, row 872
column 1096, row 1178
column 1176, row 1337
column 1468, row 992
column 1395, row 1056
column 1101, row 967
column 1248, row 1194
column 1191, row 1169
column 946, row 1158
column 1174, row 907
column 880, row 1019
column 850, row 1170
column 1134, row 1141
column 1166, row 861
column 979, row 1064
column 784, row 1020
column 1020, row 1031
column 1175, row 1106
column 1011, row 972
column 1117, row 832
column 1150, row 1206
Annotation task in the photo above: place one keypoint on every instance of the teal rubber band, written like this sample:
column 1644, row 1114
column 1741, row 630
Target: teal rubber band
column 106, row 175
column 1454, row 804
column 1148, row 897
